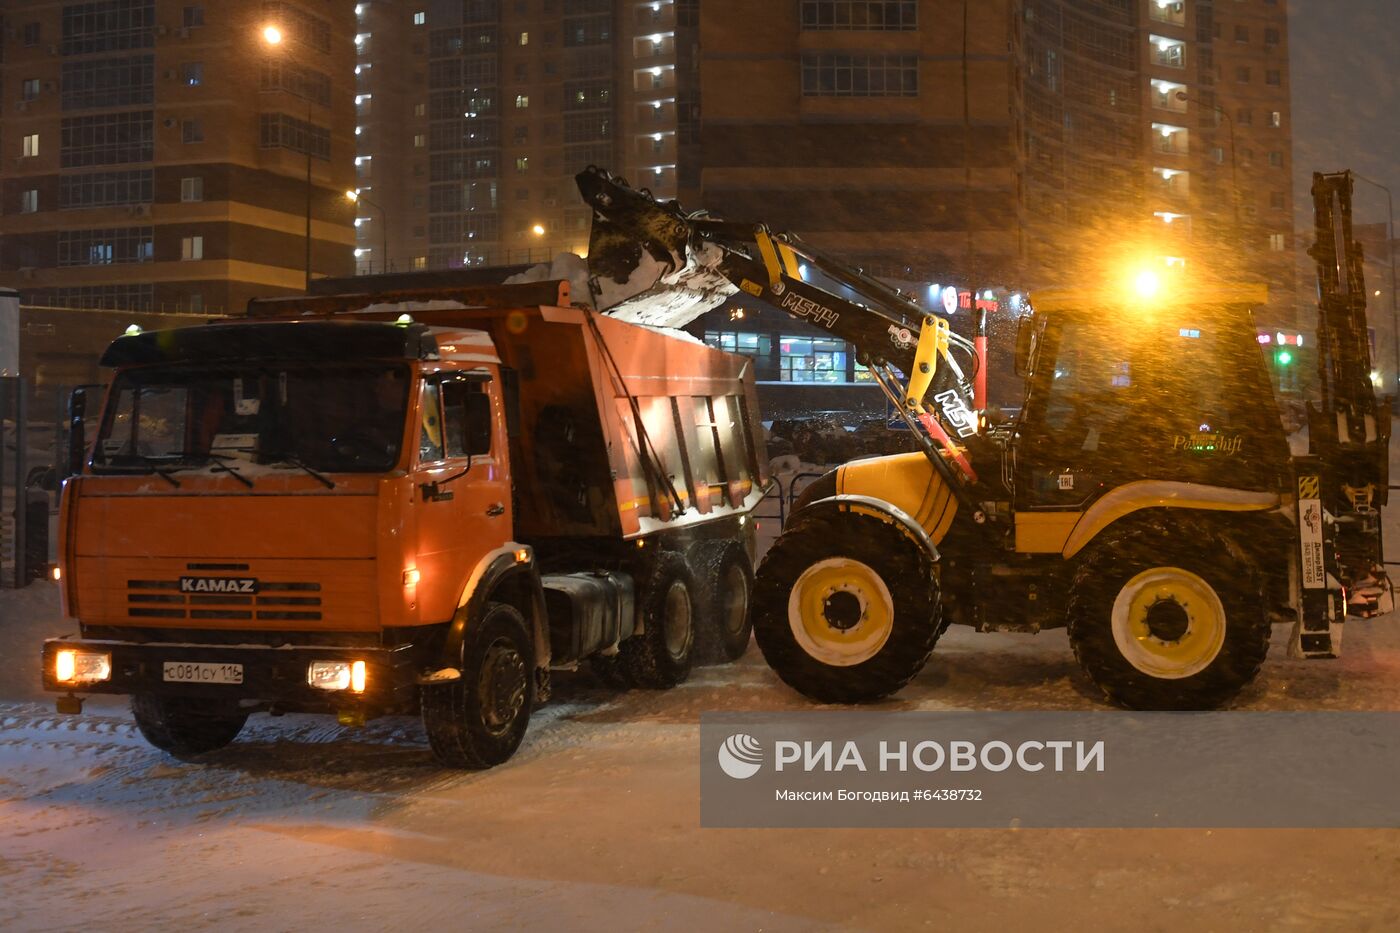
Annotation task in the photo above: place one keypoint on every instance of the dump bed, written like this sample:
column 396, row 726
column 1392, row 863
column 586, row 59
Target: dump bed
column 622, row 430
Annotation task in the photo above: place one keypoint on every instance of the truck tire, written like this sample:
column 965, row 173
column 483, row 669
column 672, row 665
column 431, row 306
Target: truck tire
column 660, row 656
column 724, row 572
column 186, row 727
column 846, row 608
column 1162, row 624
column 479, row 720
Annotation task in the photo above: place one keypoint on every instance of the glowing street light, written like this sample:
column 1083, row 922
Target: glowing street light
column 1147, row 283
column 272, row 35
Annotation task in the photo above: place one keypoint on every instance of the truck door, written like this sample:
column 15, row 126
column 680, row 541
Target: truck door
column 462, row 486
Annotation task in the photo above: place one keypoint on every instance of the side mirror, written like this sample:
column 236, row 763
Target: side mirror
column 77, row 433
column 478, row 423
column 1025, row 345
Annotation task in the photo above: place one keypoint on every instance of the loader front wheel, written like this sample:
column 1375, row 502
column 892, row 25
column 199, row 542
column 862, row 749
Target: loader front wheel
column 1159, row 626
column 846, row 608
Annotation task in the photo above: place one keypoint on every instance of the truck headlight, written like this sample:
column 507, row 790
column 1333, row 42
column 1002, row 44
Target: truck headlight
column 337, row 675
column 71, row 666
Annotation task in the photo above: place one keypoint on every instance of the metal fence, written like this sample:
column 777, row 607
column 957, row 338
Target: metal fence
column 33, row 456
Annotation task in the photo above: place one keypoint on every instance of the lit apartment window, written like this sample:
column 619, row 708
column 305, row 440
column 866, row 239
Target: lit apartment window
column 524, row 38
column 1169, row 53
column 1278, row 242
column 522, row 165
column 419, row 18
column 522, row 101
column 420, row 141
column 193, row 73
column 420, row 262
column 1166, row 11
column 420, row 110
column 29, row 201
column 1168, row 95
column 1170, row 139
column 192, row 188
column 30, row 88
column 1275, row 119
column 31, row 145
column 192, row 248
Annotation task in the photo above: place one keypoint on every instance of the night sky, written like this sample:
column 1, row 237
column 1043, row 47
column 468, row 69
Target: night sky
column 1346, row 99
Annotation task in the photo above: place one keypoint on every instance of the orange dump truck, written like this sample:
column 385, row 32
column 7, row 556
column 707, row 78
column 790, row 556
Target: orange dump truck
column 418, row 501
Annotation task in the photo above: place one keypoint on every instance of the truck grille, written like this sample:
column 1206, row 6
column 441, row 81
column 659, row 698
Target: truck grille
column 282, row 602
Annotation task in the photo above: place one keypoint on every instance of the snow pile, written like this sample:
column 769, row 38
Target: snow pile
column 27, row 617
column 565, row 266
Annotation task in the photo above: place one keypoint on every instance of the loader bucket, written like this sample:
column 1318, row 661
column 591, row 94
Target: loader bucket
column 642, row 265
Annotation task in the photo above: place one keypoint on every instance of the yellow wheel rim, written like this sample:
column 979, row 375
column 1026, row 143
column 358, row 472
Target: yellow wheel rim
column 840, row 612
column 1168, row 623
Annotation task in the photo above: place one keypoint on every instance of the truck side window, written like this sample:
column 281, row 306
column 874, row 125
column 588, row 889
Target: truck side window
column 466, row 409
column 430, row 435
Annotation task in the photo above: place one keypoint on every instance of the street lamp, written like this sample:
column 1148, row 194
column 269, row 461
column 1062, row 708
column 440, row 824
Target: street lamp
column 354, row 197
column 273, row 38
column 1390, row 251
column 1234, row 170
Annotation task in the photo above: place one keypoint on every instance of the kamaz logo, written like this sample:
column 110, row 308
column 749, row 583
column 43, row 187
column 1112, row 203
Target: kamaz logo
column 218, row 585
column 806, row 307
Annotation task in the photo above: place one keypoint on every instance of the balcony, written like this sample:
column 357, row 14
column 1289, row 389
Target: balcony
column 1171, row 12
column 1168, row 53
column 1168, row 95
column 1169, row 139
column 1174, row 183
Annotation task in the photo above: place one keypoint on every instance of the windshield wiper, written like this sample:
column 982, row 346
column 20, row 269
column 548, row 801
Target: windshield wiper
column 218, row 466
column 294, row 460
column 166, row 474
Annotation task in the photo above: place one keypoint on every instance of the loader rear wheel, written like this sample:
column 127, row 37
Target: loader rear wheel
column 725, row 573
column 187, row 727
column 1158, row 625
column 479, row 720
column 846, row 608
column 660, row 656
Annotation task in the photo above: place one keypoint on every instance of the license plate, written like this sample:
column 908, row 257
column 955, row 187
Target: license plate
column 194, row 672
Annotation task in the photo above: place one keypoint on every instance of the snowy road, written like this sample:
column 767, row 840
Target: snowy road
column 594, row 824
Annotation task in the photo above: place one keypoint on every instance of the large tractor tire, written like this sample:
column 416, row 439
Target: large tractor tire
column 724, row 573
column 479, row 720
column 661, row 655
column 186, row 727
column 846, row 607
column 1162, row 622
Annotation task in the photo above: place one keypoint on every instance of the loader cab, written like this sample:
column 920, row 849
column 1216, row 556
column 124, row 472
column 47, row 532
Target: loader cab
column 1119, row 392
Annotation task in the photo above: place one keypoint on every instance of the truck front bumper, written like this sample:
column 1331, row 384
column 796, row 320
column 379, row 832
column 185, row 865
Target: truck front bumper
column 274, row 677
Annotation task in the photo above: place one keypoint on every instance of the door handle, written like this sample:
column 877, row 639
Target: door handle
column 495, row 508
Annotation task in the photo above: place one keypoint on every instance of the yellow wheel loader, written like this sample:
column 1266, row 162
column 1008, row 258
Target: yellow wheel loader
column 1145, row 496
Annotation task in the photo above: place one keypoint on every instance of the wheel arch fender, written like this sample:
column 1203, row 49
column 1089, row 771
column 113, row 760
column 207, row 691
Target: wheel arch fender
column 876, row 508
column 1176, row 499
column 502, row 576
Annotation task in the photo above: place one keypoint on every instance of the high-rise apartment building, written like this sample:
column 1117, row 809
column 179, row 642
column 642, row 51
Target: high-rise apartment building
column 474, row 116
column 166, row 155
column 1006, row 142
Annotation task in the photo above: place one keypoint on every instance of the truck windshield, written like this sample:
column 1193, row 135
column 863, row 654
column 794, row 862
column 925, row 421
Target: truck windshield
column 329, row 418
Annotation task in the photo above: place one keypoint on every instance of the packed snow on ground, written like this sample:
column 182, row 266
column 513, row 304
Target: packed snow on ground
column 594, row 824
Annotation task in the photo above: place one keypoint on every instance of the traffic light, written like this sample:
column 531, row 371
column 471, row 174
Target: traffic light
column 1283, row 358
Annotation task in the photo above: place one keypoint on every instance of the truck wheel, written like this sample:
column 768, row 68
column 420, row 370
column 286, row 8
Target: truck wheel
column 725, row 574
column 1159, row 625
column 660, row 657
column 479, row 720
column 187, row 727
column 846, row 608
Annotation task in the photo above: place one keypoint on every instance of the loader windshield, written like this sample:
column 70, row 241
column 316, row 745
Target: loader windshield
column 332, row 418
